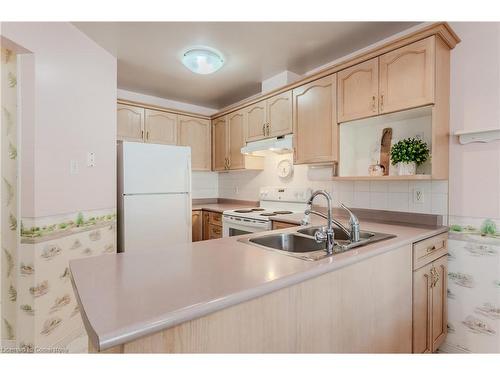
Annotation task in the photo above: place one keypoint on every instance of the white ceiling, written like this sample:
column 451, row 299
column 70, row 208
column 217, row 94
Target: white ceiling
column 149, row 53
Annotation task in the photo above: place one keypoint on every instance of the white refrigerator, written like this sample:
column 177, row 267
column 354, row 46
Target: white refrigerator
column 154, row 196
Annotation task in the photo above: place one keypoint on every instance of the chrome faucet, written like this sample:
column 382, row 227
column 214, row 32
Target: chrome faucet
column 323, row 234
column 328, row 233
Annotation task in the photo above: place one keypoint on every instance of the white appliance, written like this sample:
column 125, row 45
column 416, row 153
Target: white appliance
column 282, row 144
column 154, row 196
column 274, row 202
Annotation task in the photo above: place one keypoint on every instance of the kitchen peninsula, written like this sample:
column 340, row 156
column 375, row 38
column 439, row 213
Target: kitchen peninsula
column 227, row 296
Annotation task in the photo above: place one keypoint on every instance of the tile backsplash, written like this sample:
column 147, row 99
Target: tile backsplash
column 382, row 195
column 205, row 185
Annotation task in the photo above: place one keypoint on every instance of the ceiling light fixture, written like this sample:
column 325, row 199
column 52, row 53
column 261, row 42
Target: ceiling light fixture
column 202, row 60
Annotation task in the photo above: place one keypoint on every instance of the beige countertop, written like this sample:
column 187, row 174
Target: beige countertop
column 123, row 297
column 220, row 207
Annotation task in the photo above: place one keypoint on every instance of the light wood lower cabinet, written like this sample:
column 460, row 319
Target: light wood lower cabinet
column 130, row 123
column 195, row 133
column 282, row 225
column 314, row 122
column 197, row 225
column 207, row 225
column 430, row 303
column 205, row 228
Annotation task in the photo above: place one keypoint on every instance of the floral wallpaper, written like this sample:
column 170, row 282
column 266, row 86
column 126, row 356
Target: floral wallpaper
column 49, row 313
column 473, row 286
column 9, row 223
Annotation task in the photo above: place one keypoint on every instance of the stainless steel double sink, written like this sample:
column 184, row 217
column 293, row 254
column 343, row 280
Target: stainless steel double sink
column 302, row 244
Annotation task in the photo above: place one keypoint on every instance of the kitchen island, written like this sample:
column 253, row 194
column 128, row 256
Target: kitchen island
column 227, row 296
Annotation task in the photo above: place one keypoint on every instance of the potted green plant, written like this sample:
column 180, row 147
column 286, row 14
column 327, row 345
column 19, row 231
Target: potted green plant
column 407, row 154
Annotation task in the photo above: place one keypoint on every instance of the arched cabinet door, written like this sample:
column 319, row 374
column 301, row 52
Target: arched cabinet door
column 256, row 121
column 236, row 132
column 161, row 127
column 130, row 123
column 358, row 91
column 195, row 133
column 407, row 76
column 219, row 144
column 279, row 114
column 314, row 121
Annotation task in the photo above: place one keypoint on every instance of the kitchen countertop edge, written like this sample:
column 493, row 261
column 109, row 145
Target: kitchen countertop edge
column 111, row 339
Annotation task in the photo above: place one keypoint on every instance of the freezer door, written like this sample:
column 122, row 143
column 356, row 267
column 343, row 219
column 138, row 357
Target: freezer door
column 151, row 168
column 153, row 222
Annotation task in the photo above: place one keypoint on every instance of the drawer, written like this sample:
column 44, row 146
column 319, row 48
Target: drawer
column 215, row 218
column 282, row 225
column 215, row 231
column 429, row 250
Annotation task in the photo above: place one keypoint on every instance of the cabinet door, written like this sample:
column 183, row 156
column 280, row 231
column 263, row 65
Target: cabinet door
column 195, row 133
column 279, row 114
column 256, row 121
column 219, row 144
column 422, row 309
column 236, row 131
column 206, row 226
column 439, row 302
column 358, row 91
column 130, row 123
column 407, row 76
column 197, row 226
column 161, row 127
column 314, row 121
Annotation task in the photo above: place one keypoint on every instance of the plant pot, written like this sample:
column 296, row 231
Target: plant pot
column 407, row 169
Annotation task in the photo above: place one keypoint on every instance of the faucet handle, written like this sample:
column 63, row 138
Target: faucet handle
column 353, row 219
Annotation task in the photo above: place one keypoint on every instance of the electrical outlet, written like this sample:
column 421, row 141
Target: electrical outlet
column 236, row 189
column 418, row 196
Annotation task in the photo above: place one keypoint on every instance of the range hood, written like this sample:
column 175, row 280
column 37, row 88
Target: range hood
column 280, row 145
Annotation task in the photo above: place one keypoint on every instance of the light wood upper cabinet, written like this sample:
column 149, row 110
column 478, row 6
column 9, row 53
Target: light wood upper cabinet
column 236, row 130
column 161, row 127
column 269, row 118
column 279, row 114
column 407, row 76
column 358, row 91
column 314, row 121
column 195, row 133
column 256, row 121
column 130, row 123
column 219, row 144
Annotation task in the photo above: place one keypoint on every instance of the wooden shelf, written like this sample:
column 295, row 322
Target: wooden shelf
column 383, row 178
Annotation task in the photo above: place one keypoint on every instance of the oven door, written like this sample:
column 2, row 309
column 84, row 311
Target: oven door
column 236, row 226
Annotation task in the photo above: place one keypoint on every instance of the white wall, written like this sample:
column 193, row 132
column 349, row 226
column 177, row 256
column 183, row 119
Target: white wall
column 73, row 113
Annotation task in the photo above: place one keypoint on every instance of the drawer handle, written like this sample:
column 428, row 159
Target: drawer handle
column 373, row 104
column 432, row 248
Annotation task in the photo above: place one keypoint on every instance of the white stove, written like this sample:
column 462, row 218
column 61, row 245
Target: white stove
column 274, row 202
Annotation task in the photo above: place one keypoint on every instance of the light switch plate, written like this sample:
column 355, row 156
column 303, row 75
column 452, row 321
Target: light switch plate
column 73, row 166
column 91, row 159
